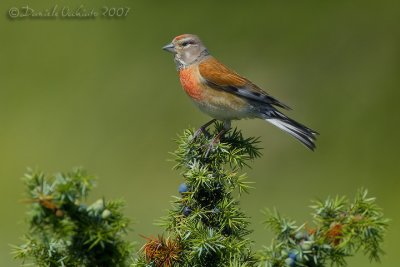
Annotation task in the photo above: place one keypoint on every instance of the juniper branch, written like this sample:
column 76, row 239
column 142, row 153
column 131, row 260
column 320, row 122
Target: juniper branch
column 340, row 230
column 66, row 232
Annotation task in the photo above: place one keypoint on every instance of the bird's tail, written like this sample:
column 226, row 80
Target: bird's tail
column 302, row 133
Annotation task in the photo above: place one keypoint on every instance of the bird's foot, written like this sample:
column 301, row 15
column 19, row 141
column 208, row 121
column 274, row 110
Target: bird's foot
column 203, row 129
column 215, row 140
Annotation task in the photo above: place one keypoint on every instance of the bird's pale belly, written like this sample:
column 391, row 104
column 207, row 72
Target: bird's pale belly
column 224, row 111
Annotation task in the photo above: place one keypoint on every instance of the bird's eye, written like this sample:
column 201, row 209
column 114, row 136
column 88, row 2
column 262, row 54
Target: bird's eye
column 186, row 43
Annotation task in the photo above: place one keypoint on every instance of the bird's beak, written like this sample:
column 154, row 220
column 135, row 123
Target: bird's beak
column 169, row 48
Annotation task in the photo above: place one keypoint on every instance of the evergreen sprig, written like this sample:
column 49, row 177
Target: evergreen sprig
column 66, row 232
column 206, row 218
column 339, row 230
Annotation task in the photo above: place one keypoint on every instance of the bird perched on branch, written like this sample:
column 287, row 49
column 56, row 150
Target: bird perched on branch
column 225, row 95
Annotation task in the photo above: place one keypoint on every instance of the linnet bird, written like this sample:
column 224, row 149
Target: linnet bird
column 224, row 94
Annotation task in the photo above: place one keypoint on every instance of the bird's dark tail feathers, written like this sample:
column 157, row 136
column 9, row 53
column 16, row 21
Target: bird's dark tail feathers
column 302, row 133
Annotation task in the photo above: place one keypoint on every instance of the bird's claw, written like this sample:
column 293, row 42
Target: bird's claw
column 203, row 130
column 200, row 131
column 214, row 141
column 210, row 147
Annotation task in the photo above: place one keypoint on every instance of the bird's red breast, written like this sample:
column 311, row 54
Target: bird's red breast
column 190, row 82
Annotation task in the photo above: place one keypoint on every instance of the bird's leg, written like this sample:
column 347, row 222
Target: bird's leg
column 203, row 128
column 227, row 126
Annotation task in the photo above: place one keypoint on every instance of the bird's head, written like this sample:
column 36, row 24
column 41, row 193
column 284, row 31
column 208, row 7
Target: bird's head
column 187, row 49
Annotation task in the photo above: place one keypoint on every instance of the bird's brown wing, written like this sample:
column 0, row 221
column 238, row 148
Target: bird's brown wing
column 219, row 77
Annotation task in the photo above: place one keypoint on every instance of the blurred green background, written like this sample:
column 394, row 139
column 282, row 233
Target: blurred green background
column 100, row 93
